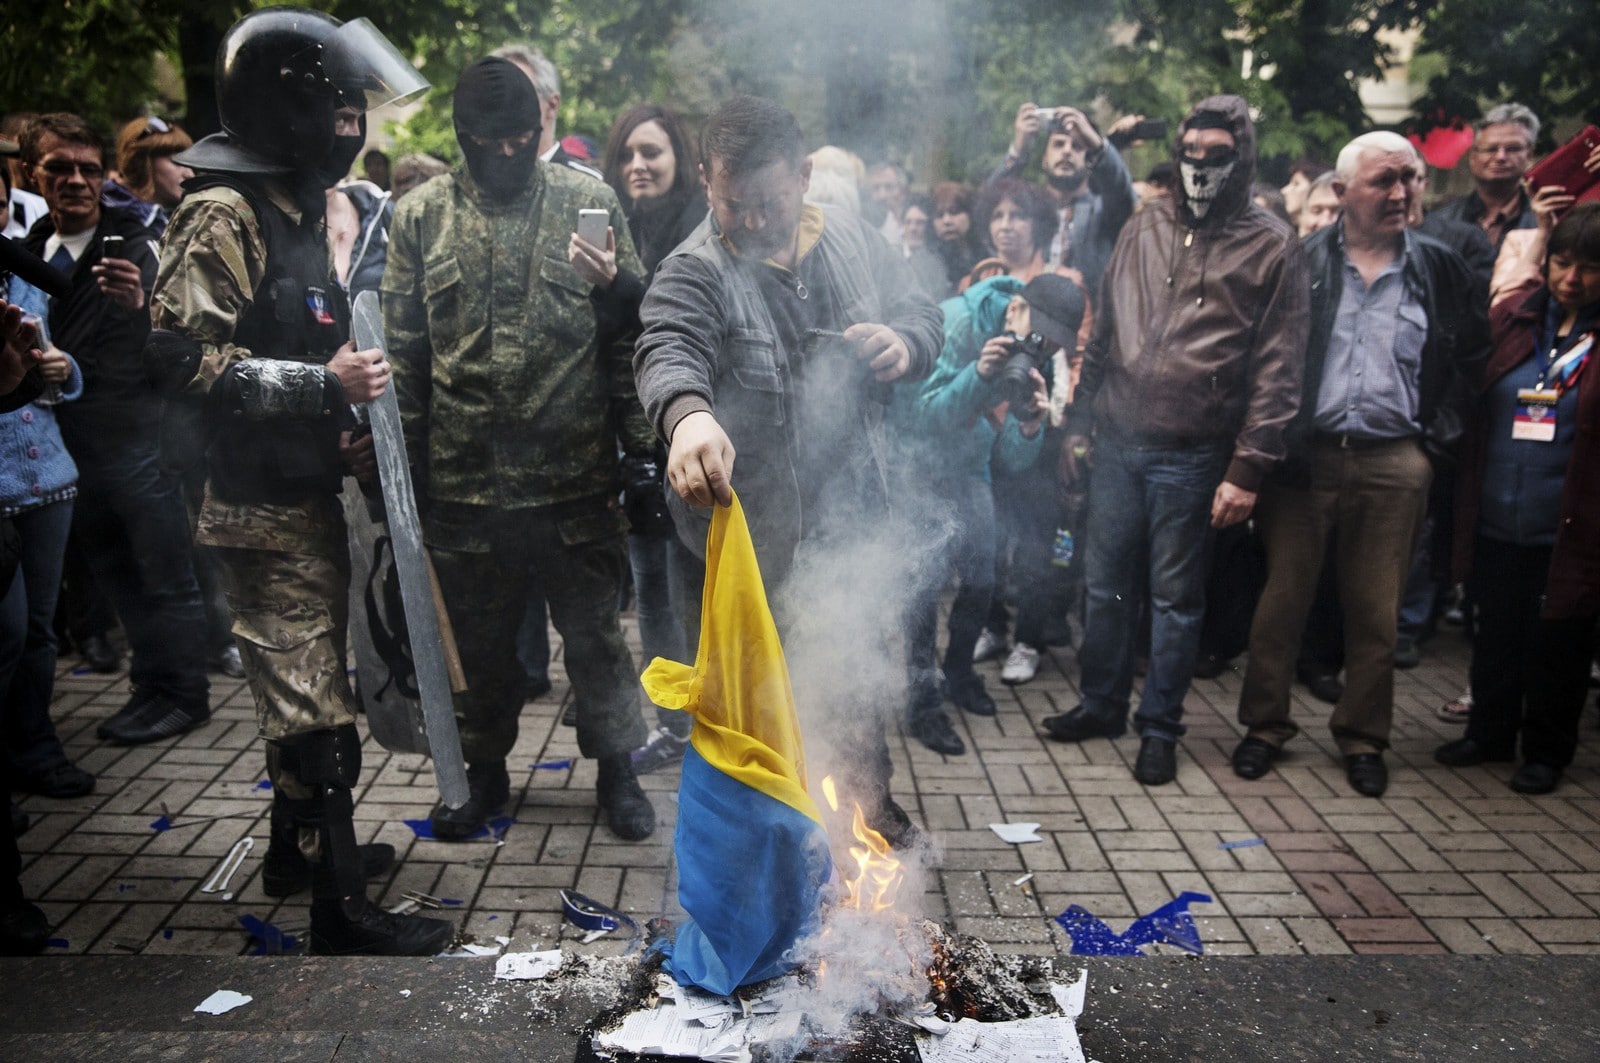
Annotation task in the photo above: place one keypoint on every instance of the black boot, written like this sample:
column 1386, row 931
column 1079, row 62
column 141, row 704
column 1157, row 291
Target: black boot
column 628, row 810
column 489, row 788
column 285, row 870
column 342, row 920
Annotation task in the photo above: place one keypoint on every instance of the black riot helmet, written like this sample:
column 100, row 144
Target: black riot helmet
column 282, row 72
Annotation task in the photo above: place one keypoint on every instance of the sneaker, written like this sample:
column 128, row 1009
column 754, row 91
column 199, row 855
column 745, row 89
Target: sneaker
column 1457, row 711
column 100, row 654
column 152, row 720
column 663, row 748
column 990, row 646
column 1021, row 666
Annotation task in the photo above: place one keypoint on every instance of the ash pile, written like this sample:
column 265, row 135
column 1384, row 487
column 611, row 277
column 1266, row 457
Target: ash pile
column 874, row 987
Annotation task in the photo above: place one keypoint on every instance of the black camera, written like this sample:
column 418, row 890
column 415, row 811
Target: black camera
column 1014, row 384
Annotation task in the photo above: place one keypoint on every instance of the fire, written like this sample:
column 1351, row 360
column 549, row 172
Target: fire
column 878, row 874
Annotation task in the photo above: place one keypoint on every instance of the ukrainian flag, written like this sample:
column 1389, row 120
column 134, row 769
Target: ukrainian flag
column 752, row 852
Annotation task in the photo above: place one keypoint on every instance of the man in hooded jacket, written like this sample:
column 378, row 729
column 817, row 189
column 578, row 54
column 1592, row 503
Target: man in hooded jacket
column 1187, row 384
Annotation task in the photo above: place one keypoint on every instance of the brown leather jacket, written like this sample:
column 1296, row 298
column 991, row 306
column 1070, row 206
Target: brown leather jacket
column 1201, row 330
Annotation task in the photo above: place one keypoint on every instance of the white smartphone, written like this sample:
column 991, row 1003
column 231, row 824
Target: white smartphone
column 592, row 225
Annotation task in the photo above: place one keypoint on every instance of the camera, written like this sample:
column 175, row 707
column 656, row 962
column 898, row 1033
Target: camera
column 1014, row 383
column 111, row 247
column 1047, row 116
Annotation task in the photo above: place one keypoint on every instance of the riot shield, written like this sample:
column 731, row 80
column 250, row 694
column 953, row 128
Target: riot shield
column 427, row 722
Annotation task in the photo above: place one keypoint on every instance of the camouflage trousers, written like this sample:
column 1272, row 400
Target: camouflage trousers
column 483, row 555
column 290, row 616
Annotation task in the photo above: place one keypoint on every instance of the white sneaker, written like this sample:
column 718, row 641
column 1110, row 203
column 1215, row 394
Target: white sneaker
column 1021, row 666
column 989, row 647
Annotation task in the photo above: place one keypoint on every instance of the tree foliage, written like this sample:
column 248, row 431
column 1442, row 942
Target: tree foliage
column 935, row 83
column 1542, row 54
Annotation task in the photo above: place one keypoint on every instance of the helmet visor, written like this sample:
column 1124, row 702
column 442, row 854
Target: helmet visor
column 367, row 70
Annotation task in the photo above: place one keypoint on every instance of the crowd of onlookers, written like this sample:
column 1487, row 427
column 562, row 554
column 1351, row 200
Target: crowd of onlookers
column 1191, row 415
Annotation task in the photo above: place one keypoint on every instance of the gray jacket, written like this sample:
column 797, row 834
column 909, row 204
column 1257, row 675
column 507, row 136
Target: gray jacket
column 711, row 340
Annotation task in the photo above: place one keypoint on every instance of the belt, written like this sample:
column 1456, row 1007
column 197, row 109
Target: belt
column 1346, row 441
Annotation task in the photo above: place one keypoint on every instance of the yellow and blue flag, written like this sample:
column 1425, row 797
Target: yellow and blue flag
column 752, row 851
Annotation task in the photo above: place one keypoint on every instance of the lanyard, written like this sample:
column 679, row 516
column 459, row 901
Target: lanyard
column 1562, row 372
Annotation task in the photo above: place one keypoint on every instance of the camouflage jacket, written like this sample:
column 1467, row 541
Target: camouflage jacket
column 508, row 398
column 213, row 258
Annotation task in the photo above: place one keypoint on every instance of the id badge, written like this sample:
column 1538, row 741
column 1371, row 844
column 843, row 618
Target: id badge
column 1535, row 419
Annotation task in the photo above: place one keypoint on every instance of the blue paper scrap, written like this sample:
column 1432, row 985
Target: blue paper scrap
column 271, row 940
column 1243, row 844
column 1171, row 923
column 264, row 784
column 554, row 765
column 82, row 670
column 162, row 823
column 58, row 943
column 167, row 934
column 423, row 828
column 492, row 918
column 124, row 887
column 451, row 902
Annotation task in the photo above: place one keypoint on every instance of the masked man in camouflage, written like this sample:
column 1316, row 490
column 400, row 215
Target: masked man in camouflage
column 515, row 392
column 247, row 313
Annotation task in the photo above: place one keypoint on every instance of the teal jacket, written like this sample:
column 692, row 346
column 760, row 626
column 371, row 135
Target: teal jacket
column 938, row 423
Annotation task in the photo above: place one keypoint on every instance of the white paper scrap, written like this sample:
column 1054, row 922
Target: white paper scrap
column 1045, row 1040
column 222, row 1001
column 1069, row 998
column 664, row 1032
column 1017, row 833
column 523, row 966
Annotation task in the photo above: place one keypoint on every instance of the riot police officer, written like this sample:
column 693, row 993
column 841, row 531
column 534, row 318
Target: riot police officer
column 247, row 313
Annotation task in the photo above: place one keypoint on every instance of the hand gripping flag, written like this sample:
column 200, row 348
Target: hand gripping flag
column 752, row 852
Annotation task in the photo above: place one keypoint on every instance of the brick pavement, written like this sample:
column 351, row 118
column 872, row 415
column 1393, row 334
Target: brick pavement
column 1449, row 861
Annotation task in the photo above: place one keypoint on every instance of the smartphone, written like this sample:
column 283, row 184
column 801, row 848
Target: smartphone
column 592, row 225
column 1150, row 129
column 111, row 247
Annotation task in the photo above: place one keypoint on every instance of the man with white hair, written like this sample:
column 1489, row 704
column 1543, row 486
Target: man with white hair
column 1396, row 333
column 1502, row 149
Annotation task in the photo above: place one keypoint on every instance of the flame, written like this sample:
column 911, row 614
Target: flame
column 878, row 874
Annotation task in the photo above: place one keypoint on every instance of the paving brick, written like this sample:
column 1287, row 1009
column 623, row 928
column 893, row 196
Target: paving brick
column 1392, row 931
column 1546, row 891
column 1328, row 894
column 1317, row 937
column 1508, row 937
column 1459, row 936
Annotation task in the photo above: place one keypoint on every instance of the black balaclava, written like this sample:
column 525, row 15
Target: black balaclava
column 335, row 166
column 495, row 100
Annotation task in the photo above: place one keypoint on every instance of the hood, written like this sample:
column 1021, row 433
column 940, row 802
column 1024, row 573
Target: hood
column 1234, row 196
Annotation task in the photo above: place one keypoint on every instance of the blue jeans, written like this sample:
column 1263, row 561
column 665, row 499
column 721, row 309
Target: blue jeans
column 1149, row 516
column 135, row 530
column 28, row 641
